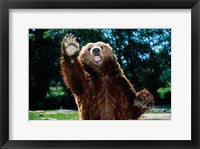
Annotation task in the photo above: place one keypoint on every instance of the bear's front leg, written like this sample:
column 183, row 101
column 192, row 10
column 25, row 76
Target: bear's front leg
column 71, row 68
column 144, row 100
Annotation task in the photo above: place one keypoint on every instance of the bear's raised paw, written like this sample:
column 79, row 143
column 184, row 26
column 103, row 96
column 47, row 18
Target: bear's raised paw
column 71, row 46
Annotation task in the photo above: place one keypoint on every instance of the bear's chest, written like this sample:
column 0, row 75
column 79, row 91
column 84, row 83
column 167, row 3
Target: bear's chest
column 104, row 89
column 104, row 100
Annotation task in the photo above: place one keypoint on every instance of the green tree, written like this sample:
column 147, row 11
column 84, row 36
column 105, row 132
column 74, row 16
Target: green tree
column 145, row 55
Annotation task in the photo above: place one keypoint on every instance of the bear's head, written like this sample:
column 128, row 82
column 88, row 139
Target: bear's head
column 96, row 55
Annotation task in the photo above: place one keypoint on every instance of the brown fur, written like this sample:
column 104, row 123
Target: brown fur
column 101, row 90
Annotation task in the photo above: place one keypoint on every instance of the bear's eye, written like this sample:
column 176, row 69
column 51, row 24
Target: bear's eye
column 89, row 49
column 101, row 47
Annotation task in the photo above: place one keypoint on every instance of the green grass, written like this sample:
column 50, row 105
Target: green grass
column 53, row 115
column 74, row 115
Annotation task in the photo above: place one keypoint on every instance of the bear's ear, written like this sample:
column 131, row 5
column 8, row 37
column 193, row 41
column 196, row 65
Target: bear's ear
column 109, row 46
column 83, row 50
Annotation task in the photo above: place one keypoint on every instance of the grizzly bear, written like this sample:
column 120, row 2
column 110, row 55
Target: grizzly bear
column 98, row 84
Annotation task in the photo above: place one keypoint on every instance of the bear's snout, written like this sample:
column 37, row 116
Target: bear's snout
column 96, row 54
column 96, row 50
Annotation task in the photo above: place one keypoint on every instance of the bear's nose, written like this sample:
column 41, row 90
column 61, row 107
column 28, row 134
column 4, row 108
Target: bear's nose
column 96, row 50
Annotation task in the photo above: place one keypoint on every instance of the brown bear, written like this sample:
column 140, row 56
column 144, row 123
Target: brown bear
column 98, row 84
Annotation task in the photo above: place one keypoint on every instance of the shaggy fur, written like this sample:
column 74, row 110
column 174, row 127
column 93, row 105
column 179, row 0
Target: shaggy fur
column 98, row 84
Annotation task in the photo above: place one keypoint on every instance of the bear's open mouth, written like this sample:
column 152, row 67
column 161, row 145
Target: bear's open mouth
column 97, row 58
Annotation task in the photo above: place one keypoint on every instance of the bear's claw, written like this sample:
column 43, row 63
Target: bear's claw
column 144, row 100
column 71, row 46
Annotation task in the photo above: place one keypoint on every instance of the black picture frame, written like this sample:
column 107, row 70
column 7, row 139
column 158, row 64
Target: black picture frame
column 5, row 5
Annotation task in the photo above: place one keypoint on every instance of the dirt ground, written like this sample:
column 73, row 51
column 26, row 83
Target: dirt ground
column 156, row 116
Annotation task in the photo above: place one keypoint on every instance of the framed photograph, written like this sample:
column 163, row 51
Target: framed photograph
column 103, row 74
